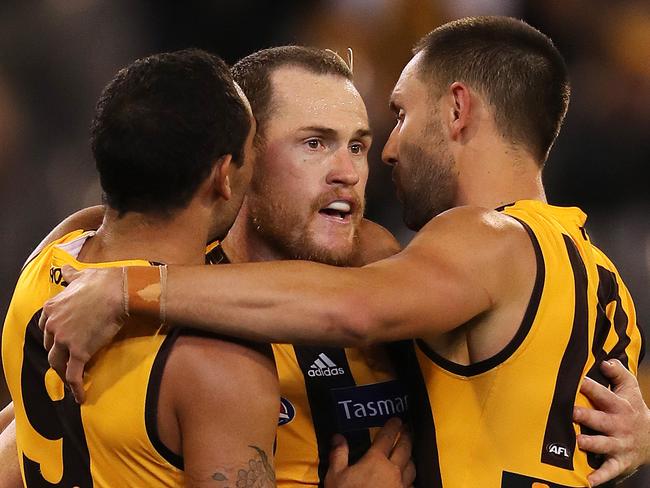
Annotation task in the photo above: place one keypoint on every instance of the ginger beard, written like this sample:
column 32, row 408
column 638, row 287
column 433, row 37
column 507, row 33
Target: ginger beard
column 298, row 229
column 425, row 178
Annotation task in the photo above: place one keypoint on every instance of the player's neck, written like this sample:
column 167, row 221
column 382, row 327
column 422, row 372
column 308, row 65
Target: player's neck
column 503, row 175
column 244, row 244
column 176, row 239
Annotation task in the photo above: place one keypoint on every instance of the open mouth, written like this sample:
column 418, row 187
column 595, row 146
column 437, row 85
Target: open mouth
column 340, row 210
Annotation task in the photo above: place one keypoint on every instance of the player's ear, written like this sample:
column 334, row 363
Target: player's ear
column 221, row 177
column 458, row 108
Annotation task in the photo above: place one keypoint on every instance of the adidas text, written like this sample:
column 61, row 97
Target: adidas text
column 325, row 372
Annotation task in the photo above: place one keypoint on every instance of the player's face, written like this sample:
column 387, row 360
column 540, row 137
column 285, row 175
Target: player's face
column 424, row 172
column 307, row 193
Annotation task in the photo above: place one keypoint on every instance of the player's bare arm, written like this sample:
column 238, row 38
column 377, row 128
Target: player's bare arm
column 9, row 468
column 218, row 407
column 440, row 281
column 301, row 302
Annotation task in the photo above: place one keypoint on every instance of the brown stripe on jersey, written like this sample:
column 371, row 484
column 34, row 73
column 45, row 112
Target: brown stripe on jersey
column 423, row 429
column 610, row 293
column 601, row 330
column 606, row 286
column 323, row 414
column 151, row 402
column 515, row 480
column 643, row 342
column 559, row 437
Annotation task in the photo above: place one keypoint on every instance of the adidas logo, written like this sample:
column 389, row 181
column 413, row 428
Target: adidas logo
column 324, row 366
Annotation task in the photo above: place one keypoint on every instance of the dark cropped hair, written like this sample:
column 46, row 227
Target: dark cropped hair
column 514, row 66
column 253, row 73
column 159, row 127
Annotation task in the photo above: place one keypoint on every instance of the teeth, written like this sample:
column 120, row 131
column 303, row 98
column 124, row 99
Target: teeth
column 340, row 206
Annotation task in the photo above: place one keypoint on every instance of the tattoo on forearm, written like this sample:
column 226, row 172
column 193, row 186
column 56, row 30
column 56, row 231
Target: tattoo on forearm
column 258, row 474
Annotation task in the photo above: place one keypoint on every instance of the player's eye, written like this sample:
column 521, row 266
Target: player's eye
column 356, row 148
column 314, row 143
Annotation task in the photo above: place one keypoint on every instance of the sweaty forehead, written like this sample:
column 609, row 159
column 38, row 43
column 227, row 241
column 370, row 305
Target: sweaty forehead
column 409, row 82
column 299, row 93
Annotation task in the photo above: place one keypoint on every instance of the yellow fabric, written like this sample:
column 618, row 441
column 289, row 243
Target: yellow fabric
column 113, row 416
column 494, row 421
column 296, row 456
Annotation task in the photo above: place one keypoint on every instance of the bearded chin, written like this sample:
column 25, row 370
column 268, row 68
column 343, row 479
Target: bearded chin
column 305, row 247
column 431, row 188
column 291, row 238
column 416, row 216
column 423, row 206
column 335, row 257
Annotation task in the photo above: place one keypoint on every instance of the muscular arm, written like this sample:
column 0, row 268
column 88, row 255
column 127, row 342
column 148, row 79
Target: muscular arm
column 225, row 400
column 456, row 268
column 452, row 271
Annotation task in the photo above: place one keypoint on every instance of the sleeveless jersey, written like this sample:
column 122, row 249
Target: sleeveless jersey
column 111, row 440
column 327, row 390
column 507, row 421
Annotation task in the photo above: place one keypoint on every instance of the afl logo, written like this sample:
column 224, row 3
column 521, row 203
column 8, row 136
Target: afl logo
column 559, row 450
column 287, row 412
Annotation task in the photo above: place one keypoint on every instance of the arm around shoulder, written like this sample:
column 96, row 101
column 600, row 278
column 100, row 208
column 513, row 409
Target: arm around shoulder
column 446, row 276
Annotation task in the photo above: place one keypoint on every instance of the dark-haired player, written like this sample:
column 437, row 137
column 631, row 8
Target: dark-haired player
column 165, row 407
column 312, row 151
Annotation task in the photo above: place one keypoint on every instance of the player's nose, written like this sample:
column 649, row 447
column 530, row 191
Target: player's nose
column 389, row 154
column 342, row 170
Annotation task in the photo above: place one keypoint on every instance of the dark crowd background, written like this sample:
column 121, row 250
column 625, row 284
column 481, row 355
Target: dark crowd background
column 56, row 55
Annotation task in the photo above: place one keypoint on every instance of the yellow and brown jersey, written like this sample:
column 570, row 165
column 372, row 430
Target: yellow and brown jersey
column 507, row 421
column 327, row 390
column 111, row 440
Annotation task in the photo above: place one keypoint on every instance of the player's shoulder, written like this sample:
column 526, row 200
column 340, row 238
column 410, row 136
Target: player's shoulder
column 475, row 241
column 201, row 360
column 473, row 226
column 375, row 242
column 190, row 342
column 373, row 230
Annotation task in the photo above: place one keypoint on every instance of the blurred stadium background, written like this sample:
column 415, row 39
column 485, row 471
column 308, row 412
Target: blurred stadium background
column 56, row 55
